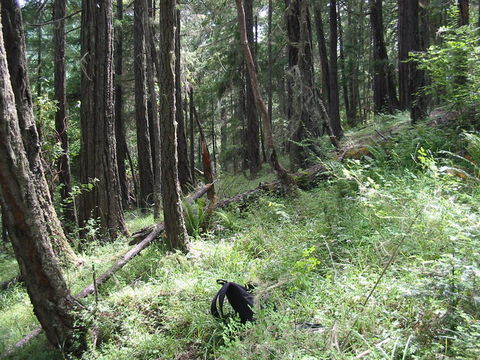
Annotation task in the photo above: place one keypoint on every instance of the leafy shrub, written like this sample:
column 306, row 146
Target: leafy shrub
column 454, row 67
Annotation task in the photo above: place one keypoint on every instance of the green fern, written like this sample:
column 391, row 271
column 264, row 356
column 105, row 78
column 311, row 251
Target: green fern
column 195, row 215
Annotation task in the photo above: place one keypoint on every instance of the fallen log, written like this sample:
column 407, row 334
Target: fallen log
column 157, row 229
column 305, row 180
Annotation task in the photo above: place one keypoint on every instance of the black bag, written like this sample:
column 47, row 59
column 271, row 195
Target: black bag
column 238, row 296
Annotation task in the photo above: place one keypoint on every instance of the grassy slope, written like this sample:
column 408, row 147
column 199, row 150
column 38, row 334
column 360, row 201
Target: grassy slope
column 315, row 257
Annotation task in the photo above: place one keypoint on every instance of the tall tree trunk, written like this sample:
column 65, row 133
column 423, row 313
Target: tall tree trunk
column 463, row 12
column 334, row 93
column 39, row 72
column 384, row 93
column 154, row 120
column 17, row 66
column 252, row 130
column 120, row 134
column 419, row 77
column 410, row 77
column 27, row 221
column 223, row 135
column 270, row 61
column 407, row 26
column 346, row 98
column 145, row 170
column 355, row 51
column 98, row 158
column 192, row 134
column 322, row 50
column 282, row 174
column 184, row 175
column 157, row 167
column 214, row 140
column 119, row 123
column 304, row 123
column 61, row 120
column 172, row 210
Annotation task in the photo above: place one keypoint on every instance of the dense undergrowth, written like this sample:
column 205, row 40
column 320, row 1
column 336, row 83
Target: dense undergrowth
column 314, row 259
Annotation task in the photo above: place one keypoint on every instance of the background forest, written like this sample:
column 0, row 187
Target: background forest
column 326, row 151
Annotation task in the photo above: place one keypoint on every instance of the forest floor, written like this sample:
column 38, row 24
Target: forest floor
column 408, row 207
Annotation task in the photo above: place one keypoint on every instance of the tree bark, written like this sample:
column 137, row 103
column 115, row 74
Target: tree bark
column 52, row 303
column 157, row 168
column 411, row 79
column 270, row 61
column 419, row 78
column 61, row 120
column 463, row 12
column 184, row 175
column 119, row 122
column 322, row 50
column 341, row 43
column 98, row 160
column 145, row 170
column 384, row 93
column 17, row 66
column 407, row 27
column 252, row 142
column 154, row 119
column 305, row 121
column 206, row 160
column 192, row 134
column 172, row 210
column 281, row 172
column 334, row 93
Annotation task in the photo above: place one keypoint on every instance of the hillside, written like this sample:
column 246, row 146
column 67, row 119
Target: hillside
column 405, row 215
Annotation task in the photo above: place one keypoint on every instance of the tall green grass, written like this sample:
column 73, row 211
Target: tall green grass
column 314, row 259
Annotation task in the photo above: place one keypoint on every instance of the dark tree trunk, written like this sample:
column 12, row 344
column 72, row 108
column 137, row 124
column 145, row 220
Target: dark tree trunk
column 214, row 140
column 145, row 170
column 61, row 121
column 252, row 130
column 410, row 77
column 407, row 27
column 155, row 123
column 282, row 174
column 270, row 62
column 119, row 123
column 242, row 115
column 17, row 66
column 384, row 93
column 192, row 134
column 184, row 175
column 304, row 124
column 334, row 93
column 322, row 50
column 39, row 72
column 346, row 98
column 352, row 61
column 154, row 120
column 98, row 158
column 224, row 135
column 172, row 210
column 464, row 14
column 419, row 78
column 26, row 219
